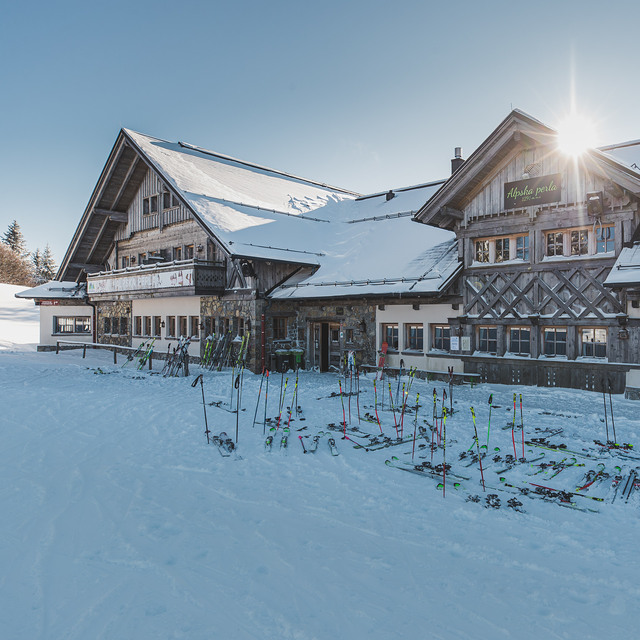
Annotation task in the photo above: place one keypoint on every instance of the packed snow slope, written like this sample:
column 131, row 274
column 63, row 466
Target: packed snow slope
column 120, row 521
column 19, row 319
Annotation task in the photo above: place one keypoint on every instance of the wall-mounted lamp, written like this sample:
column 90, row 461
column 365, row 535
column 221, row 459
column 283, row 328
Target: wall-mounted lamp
column 199, row 248
column 595, row 203
column 162, row 324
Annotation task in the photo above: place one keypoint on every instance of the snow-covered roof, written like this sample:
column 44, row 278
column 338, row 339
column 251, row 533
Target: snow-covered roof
column 626, row 153
column 55, row 290
column 247, row 207
column 372, row 246
column 626, row 270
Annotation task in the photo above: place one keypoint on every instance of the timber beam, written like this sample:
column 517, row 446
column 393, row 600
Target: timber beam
column 115, row 216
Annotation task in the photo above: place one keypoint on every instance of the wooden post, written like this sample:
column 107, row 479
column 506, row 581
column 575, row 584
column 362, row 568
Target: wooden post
column 57, row 347
column 84, row 350
column 115, row 356
column 186, row 365
column 150, row 359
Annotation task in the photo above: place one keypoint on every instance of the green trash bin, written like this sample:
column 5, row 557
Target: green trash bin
column 297, row 357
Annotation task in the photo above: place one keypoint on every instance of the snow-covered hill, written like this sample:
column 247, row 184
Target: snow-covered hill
column 19, row 320
column 119, row 521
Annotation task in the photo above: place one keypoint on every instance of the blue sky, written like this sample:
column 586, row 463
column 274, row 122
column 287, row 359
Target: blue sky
column 365, row 95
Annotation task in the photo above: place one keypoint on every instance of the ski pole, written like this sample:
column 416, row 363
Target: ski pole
column 415, row 427
column 395, row 422
column 281, row 381
column 522, row 427
column 375, row 403
column 302, row 443
column 450, row 370
column 204, row 405
column 358, row 392
column 239, row 388
column 282, row 403
column 513, row 427
column 444, row 450
column 255, row 415
column 604, row 400
column 489, row 423
column 404, row 402
column 344, row 417
column 350, row 391
column 475, row 431
column 266, row 396
column 613, row 424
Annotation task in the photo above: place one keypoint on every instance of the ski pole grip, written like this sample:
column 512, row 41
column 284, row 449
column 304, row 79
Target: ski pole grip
column 198, row 379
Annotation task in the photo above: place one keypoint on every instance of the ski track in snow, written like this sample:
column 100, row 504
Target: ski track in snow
column 121, row 522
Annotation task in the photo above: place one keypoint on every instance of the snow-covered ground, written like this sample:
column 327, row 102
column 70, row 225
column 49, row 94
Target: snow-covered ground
column 19, row 320
column 119, row 521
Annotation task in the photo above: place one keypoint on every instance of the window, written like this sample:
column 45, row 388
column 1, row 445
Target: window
column 442, row 337
column 209, row 325
column 605, row 239
column 171, row 327
column 124, row 261
column 71, row 324
column 137, row 323
column 150, row 205
column 194, row 326
column 555, row 243
column 579, row 242
column 390, row 335
column 594, row 343
column 335, row 336
column 502, row 249
column 413, row 337
column 188, row 252
column 520, row 340
column 106, row 325
column 124, row 326
column 142, row 258
column 279, row 328
column 177, row 253
column 488, row 339
column 182, row 325
column 157, row 324
column 350, row 335
column 147, row 325
column 555, row 341
column 169, row 201
column 522, row 247
column 482, row 251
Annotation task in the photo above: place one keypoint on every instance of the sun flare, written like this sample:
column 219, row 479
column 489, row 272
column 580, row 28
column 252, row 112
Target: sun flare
column 576, row 134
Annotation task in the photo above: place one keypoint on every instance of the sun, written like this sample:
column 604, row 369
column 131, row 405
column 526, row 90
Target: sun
column 576, row 134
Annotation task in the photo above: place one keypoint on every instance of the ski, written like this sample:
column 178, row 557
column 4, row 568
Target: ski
column 332, row 446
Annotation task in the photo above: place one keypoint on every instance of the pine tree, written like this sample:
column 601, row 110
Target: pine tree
column 15, row 240
column 48, row 266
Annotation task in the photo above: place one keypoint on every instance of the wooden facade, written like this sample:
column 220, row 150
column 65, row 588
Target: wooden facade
column 535, row 307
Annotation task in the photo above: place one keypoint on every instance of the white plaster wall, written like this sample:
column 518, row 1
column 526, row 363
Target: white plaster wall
column 47, row 313
column 633, row 378
column 427, row 314
column 163, row 307
column 631, row 312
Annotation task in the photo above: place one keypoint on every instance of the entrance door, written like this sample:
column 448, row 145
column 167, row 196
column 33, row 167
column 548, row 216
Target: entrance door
column 324, row 346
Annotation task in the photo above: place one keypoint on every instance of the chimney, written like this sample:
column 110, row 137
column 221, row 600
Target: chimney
column 457, row 161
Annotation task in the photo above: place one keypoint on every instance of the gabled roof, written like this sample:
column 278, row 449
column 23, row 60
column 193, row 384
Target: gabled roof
column 516, row 131
column 372, row 247
column 626, row 270
column 626, row 153
column 55, row 290
column 233, row 200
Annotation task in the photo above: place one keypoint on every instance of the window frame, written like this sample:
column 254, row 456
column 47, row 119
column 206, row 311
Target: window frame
column 280, row 327
column 519, row 341
column 602, row 344
column 395, row 337
column 414, row 336
column 76, row 325
column 441, row 342
column 556, row 342
column 488, row 340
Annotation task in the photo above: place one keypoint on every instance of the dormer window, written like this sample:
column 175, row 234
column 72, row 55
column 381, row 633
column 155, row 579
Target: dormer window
column 169, row 201
column 150, row 205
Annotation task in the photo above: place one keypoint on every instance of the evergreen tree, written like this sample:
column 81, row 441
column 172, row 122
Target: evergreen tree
column 14, row 239
column 48, row 265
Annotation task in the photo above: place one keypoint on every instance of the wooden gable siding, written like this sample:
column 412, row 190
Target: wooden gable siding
column 151, row 185
column 569, row 294
column 488, row 198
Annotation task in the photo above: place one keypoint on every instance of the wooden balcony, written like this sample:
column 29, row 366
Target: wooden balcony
column 179, row 278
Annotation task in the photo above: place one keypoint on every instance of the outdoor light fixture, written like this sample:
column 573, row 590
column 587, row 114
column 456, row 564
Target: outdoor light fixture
column 595, row 204
column 162, row 324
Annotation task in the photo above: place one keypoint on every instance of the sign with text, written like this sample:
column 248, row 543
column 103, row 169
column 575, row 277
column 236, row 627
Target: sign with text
column 138, row 281
column 532, row 191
